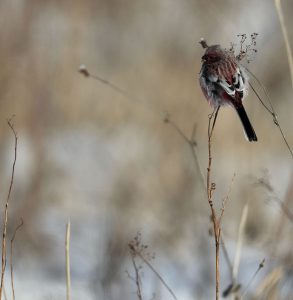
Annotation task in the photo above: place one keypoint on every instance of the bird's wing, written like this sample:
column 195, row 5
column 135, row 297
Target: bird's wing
column 235, row 87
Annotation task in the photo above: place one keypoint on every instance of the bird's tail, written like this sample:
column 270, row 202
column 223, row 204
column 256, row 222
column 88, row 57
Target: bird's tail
column 248, row 129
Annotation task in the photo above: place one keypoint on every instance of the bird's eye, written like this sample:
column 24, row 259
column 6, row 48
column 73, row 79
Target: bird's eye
column 204, row 57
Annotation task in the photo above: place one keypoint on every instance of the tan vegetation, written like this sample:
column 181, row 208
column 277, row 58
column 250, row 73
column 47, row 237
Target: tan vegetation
column 114, row 167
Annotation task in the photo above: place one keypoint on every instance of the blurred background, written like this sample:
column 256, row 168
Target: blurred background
column 114, row 168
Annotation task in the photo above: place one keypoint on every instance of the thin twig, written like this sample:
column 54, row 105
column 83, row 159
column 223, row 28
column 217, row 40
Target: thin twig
column 210, row 189
column 158, row 275
column 285, row 209
column 176, row 127
column 137, row 249
column 233, row 287
column 261, row 265
column 11, row 258
column 67, row 256
column 4, row 255
column 264, row 182
column 4, row 293
column 215, row 118
column 271, row 110
column 165, row 116
column 193, row 135
column 286, row 37
column 137, row 278
column 271, row 280
column 226, row 199
column 83, row 70
column 190, row 142
column 227, row 258
column 240, row 240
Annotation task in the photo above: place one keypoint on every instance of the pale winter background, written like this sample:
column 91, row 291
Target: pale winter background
column 113, row 167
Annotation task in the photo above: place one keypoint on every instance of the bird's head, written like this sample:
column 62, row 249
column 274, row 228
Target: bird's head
column 213, row 54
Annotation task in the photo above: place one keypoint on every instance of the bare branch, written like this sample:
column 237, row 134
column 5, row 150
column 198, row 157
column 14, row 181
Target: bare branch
column 211, row 186
column 261, row 265
column 4, row 254
column 137, row 249
column 227, row 258
column 271, row 110
column 11, row 258
column 83, row 70
column 286, row 36
column 137, row 278
column 226, row 198
column 191, row 144
column 165, row 116
column 67, row 257
column 240, row 240
column 158, row 275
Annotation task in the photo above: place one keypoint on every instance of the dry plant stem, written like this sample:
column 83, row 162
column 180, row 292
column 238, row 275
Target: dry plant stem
column 210, row 190
column 11, row 257
column 137, row 278
column 226, row 199
column 240, row 240
column 280, row 224
column 261, row 265
column 270, row 110
column 83, row 70
column 158, row 275
column 113, row 86
column 227, row 258
column 4, row 293
column 286, row 37
column 270, row 280
column 190, row 143
column 6, row 210
column 67, row 257
column 286, row 210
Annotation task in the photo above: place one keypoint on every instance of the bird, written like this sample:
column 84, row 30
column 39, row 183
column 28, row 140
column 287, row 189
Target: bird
column 224, row 82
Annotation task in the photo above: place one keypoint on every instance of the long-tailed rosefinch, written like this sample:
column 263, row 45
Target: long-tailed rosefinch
column 223, row 81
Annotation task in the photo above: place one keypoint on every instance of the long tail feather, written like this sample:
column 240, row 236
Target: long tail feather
column 248, row 129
